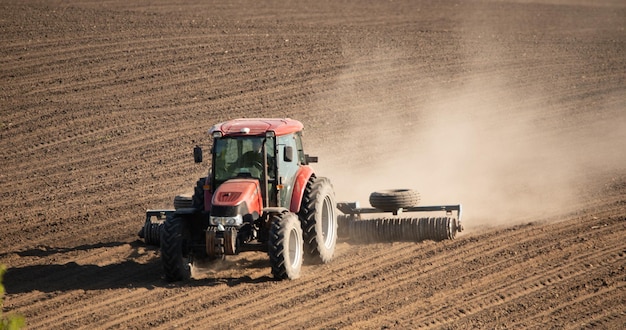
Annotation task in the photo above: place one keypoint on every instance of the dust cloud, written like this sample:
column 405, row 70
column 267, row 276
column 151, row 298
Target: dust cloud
column 249, row 265
column 506, row 154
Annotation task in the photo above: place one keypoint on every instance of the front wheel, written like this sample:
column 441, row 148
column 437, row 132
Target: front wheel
column 285, row 246
column 176, row 263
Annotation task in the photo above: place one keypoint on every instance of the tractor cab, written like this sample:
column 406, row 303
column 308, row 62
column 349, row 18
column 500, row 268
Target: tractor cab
column 267, row 151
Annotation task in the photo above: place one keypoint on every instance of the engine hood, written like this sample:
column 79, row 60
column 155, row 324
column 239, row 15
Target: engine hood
column 237, row 191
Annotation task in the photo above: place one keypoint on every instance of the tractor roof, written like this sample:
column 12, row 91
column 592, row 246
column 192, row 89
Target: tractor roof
column 257, row 126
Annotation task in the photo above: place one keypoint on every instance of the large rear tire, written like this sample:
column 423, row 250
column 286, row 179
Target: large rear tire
column 319, row 219
column 197, row 200
column 176, row 263
column 392, row 200
column 285, row 246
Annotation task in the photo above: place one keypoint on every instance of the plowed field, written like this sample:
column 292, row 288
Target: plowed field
column 517, row 109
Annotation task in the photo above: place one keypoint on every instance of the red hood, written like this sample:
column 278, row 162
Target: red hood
column 236, row 191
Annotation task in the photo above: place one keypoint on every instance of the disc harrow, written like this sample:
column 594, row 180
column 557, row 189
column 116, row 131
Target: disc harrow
column 397, row 229
column 151, row 230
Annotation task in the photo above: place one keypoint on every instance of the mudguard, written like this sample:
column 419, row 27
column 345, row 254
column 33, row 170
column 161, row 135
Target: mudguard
column 302, row 178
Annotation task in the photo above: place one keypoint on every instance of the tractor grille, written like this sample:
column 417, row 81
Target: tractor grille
column 226, row 197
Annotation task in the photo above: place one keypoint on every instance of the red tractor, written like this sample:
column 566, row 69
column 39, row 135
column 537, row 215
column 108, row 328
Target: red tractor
column 260, row 194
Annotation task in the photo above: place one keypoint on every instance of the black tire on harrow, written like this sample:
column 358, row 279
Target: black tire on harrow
column 176, row 263
column 392, row 200
column 286, row 246
column 319, row 219
column 182, row 202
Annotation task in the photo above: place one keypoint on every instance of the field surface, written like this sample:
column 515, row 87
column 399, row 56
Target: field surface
column 517, row 109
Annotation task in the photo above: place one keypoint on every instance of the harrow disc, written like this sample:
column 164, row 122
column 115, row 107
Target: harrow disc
column 343, row 224
column 151, row 233
column 400, row 229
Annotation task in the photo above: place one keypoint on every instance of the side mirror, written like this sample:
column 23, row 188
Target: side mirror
column 197, row 154
column 310, row 159
column 288, row 157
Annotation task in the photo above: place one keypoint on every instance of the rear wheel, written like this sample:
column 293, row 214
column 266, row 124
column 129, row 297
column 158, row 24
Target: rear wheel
column 197, row 200
column 319, row 219
column 285, row 246
column 176, row 261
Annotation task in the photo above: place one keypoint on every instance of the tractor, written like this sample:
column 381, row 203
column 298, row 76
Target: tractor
column 260, row 194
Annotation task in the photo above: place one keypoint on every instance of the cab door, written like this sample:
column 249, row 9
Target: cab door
column 288, row 165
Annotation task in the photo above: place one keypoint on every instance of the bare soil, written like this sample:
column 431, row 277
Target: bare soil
column 514, row 108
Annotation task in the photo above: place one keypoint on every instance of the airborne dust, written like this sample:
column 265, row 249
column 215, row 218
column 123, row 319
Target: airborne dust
column 508, row 152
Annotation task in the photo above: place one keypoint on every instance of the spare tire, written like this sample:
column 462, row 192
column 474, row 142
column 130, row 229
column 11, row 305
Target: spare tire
column 392, row 200
column 182, row 202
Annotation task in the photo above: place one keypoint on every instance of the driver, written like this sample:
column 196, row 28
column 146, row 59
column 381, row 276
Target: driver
column 254, row 157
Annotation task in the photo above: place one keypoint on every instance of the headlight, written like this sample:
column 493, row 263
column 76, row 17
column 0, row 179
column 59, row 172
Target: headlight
column 226, row 221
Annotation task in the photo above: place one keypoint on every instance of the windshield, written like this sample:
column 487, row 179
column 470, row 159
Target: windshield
column 241, row 157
